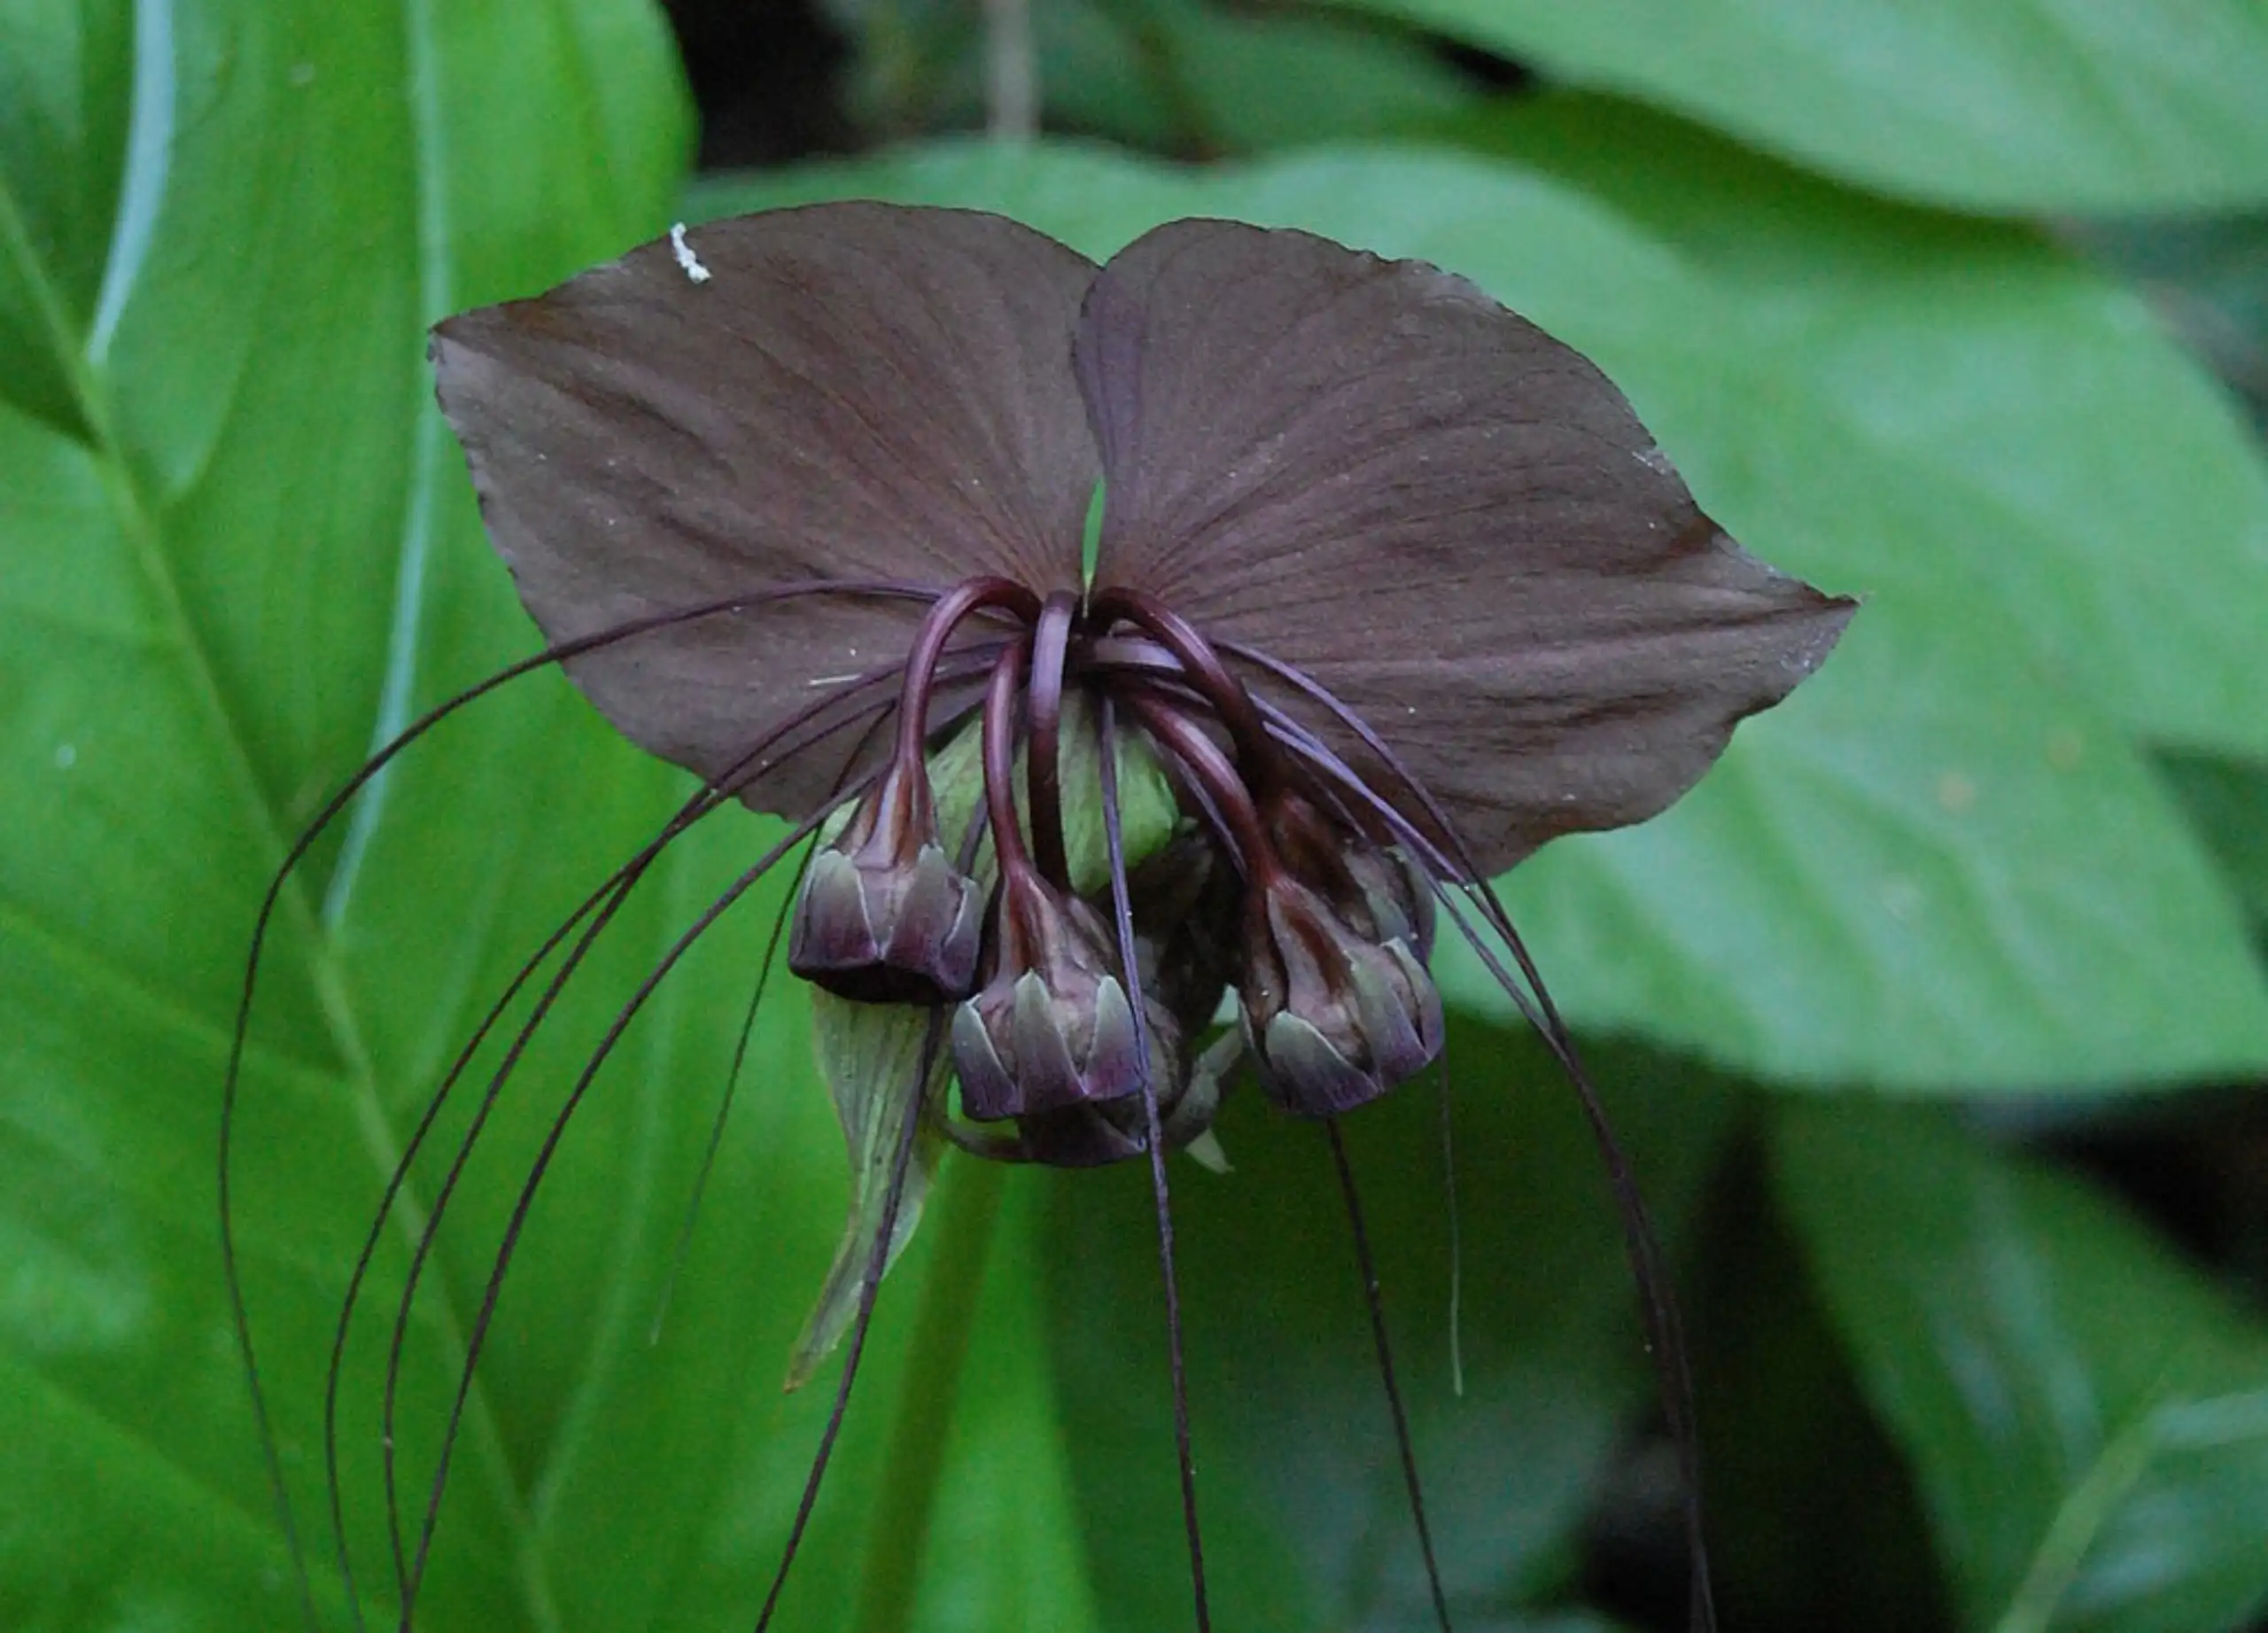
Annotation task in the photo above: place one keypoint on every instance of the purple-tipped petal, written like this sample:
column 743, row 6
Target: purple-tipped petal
column 854, row 391
column 1373, row 472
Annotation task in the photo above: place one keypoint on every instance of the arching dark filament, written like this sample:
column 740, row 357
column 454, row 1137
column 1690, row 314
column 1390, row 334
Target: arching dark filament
column 725, row 1102
column 1123, row 912
column 1373, row 1300
column 239, row 1313
column 999, row 751
column 608, row 899
column 1203, row 670
column 1457, row 882
column 799, row 729
column 524, row 1202
column 714, row 1143
column 855, row 1345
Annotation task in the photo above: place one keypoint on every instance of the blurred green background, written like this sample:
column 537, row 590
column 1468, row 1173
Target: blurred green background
column 1935, row 1018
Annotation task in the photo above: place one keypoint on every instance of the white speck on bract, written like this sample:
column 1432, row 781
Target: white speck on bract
column 694, row 270
column 66, row 755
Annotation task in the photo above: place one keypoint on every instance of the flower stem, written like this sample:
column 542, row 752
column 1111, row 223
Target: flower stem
column 960, row 1226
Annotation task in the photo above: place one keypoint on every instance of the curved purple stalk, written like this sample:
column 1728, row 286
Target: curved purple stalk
column 1203, row 671
column 1228, row 802
column 999, row 760
column 919, row 663
column 1050, row 640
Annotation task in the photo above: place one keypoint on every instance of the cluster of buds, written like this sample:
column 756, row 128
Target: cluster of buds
column 1267, row 889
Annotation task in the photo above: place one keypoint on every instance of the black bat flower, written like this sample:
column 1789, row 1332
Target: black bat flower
column 1413, row 567
column 1389, row 586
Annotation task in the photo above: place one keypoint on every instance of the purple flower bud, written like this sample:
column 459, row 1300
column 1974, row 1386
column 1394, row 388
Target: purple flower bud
column 1100, row 1132
column 1333, row 1019
column 1380, row 893
column 1052, row 1027
column 884, row 916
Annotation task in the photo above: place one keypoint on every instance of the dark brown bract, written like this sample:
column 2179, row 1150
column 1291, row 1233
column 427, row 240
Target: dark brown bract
column 1393, row 586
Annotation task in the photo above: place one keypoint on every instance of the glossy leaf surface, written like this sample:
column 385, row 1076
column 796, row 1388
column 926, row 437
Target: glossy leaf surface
column 2017, row 106
column 2087, row 1418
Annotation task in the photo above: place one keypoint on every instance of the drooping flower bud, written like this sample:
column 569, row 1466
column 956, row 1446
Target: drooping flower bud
column 1333, row 1019
column 1099, row 1132
column 884, row 916
column 1052, row 1026
column 1379, row 891
column 1184, row 901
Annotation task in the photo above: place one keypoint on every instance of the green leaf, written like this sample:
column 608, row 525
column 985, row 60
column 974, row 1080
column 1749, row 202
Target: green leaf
column 871, row 1058
column 2210, row 276
column 2225, row 799
column 1944, row 863
column 223, row 227
column 2022, row 106
column 1199, row 78
column 1306, row 1522
column 1173, row 75
column 999, row 1526
column 2085, row 1416
column 1890, row 883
